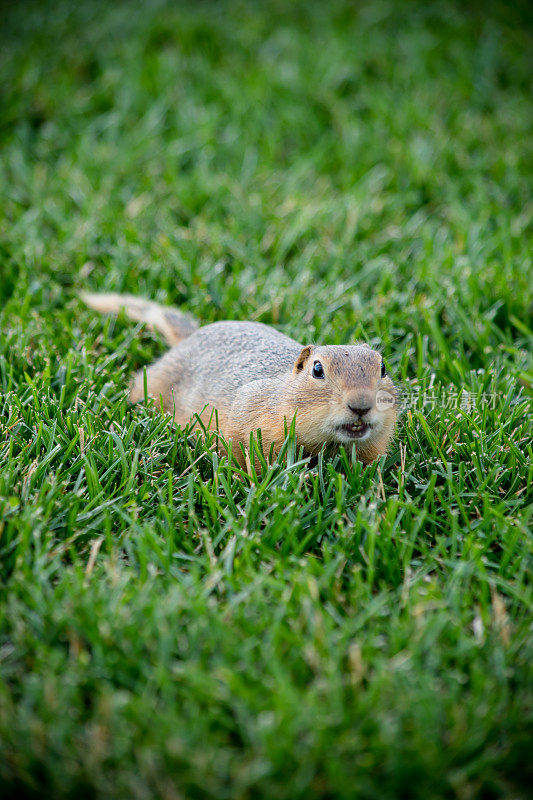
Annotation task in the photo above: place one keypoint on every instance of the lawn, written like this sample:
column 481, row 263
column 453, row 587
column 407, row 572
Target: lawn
column 171, row 626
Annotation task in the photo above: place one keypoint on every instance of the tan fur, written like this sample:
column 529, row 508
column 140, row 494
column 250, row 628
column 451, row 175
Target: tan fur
column 257, row 378
column 173, row 324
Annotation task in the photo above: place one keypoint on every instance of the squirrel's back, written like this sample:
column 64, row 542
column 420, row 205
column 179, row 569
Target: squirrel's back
column 232, row 352
column 216, row 361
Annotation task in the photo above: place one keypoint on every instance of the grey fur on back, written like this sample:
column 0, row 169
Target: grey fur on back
column 218, row 359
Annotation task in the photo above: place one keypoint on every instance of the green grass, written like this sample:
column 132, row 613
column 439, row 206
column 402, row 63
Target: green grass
column 170, row 628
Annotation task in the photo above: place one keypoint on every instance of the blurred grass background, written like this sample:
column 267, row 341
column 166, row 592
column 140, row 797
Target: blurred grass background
column 345, row 171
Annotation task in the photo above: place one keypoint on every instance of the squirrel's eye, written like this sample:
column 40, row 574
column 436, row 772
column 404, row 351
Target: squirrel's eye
column 318, row 370
column 383, row 369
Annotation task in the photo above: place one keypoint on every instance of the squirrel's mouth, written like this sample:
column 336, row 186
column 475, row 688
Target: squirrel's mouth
column 355, row 430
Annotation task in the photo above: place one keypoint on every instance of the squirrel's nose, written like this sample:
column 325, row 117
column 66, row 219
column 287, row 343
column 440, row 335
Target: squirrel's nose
column 360, row 410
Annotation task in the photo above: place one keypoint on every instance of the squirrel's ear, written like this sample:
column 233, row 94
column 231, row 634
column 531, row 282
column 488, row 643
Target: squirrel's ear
column 302, row 358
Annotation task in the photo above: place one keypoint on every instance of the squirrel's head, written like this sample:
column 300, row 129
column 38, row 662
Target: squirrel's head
column 343, row 394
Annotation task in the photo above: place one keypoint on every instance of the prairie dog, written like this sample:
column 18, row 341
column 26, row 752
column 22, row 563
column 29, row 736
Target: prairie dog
column 257, row 378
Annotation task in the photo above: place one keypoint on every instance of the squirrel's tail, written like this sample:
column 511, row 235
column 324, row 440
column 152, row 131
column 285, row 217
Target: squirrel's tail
column 172, row 323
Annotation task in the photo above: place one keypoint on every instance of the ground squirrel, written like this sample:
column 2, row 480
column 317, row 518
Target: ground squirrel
column 258, row 378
